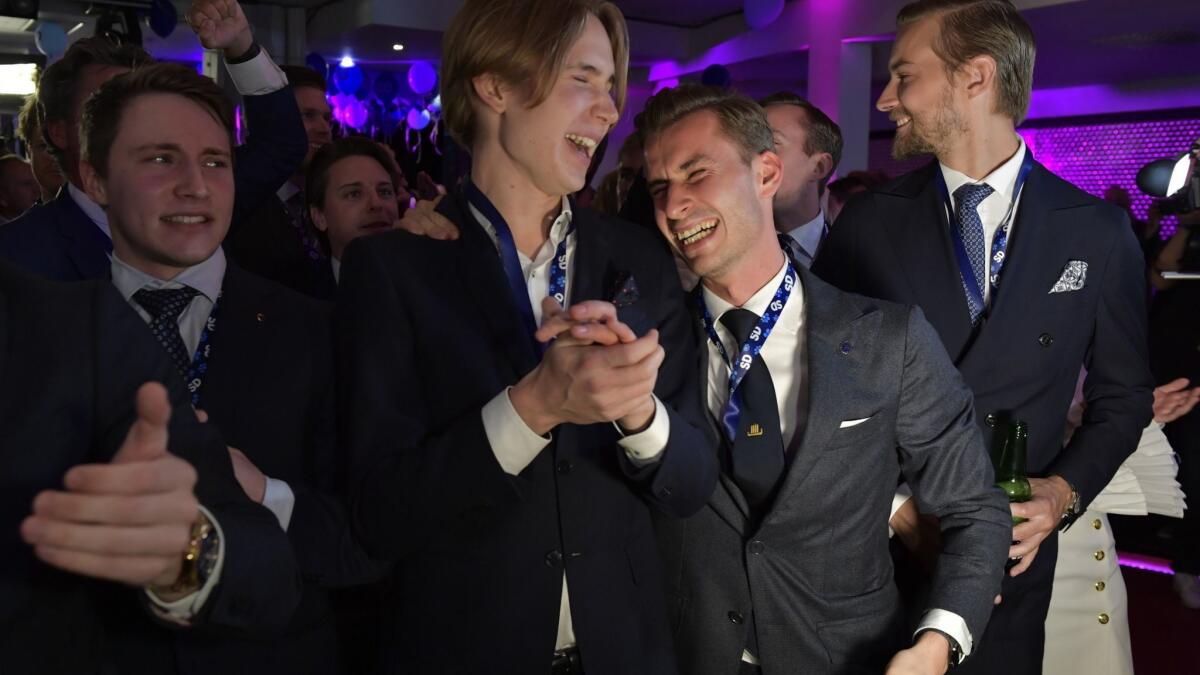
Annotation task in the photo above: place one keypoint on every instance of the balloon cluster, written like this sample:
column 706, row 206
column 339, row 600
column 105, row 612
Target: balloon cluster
column 380, row 103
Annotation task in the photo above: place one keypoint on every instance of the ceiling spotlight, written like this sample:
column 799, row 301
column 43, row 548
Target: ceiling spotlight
column 347, row 62
column 398, row 47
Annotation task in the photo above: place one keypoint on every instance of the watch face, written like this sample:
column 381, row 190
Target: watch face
column 206, row 562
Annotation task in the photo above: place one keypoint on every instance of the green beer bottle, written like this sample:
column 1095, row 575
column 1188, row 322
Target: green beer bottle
column 1010, row 467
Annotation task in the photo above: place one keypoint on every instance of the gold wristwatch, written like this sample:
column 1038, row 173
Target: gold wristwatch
column 199, row 558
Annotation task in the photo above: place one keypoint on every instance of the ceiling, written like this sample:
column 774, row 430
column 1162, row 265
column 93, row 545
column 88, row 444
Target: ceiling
column 689, row 14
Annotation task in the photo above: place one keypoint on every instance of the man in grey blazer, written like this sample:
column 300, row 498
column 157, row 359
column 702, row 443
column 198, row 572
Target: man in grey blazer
column 835, row 399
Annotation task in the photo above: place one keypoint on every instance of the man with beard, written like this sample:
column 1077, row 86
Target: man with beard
column 1025, row 278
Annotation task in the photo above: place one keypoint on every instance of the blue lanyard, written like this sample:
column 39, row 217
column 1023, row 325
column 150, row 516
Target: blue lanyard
column 732, row 412
column 512, row 264
column 199, row 367
column 999, row 242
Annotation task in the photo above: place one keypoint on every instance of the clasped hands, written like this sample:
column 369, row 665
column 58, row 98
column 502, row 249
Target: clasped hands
column 595, row 370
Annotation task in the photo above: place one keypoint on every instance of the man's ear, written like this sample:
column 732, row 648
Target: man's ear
column 56, row 134
column 493, row 92
column 823, row 167
column 93, row 183
column 978, row 75
column 770, row 173
column 318, row 218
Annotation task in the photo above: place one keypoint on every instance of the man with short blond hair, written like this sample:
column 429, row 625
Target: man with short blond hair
column 1025, row 277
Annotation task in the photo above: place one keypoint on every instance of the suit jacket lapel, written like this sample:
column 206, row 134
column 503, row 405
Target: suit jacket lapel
column 87, row 245
column 919, row 233
column 5, row 325
column 243, row 332
column 828, row 324
column 484, row 278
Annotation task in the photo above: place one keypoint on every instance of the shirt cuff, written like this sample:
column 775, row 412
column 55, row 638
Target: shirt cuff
column 949, row 623
column 903, row 494
column 646, row 446
column 513, row 442
column 279, row 498
column 257, row 76
column 185, row 609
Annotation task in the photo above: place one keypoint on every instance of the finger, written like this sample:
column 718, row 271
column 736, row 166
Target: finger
column 161, row 475
column 998, row 600
column 595, row 333
column 593, row 310
column 201, row 416
column 170, row 507
column 1024, row 547
column 132, row 570
column 156, row 540
column 632, row 352
column 1024, row 564
column 1174, row 385
column 147, row 438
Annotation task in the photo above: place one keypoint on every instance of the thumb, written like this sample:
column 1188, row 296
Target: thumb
column 147, row 438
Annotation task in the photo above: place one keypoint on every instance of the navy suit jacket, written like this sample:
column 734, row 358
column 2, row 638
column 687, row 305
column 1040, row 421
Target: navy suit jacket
column 71, row 361
column 1023, row 360
column 269, row 390
column 428, row 334
column 58, row 241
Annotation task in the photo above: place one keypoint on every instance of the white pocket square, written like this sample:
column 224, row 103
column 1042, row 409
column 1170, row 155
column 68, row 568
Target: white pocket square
column 1073, row 277
column 846, row 424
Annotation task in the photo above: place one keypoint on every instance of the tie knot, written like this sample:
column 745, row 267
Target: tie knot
column 740, row 322
column 970, row 195
column 165, row 303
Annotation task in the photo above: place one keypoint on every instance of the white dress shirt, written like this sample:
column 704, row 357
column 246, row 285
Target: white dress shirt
column 809, row 236
column 206, row 277
column 183, row 610
column 786, row 358
column 992, row 211
column 337, row 269
column 513, row 442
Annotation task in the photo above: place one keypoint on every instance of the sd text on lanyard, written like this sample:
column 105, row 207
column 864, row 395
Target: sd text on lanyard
column 999, row 241
column 732, row 412
column 512, row 263
column 199, row 367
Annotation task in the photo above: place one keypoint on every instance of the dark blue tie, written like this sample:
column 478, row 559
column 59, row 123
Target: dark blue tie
column 970, row 228
column 164, row 306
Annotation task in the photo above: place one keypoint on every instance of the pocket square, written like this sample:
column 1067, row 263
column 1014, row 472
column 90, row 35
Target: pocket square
column 846, row 424
column 1073, row 277
column 625, row 290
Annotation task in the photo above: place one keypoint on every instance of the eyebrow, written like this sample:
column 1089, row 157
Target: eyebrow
column 898, row 64
column 175, row 147
column 686, row 166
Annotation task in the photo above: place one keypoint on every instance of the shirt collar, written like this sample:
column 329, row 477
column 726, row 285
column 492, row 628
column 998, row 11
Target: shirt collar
column 337, row 269
column 1002, row 181
column 758, row 303
column 90, row 208
column 809, row 234
column 558, row 230
column 287, row 191
column 205, row 277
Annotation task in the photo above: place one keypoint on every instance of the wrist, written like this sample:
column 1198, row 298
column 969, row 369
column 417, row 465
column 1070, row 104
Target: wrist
column 639, row 420
column 239, row 50
column 527, row 401
column 934, row 648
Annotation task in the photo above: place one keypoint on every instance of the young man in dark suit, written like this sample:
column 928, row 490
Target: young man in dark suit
column 822, row 400
column 1025, row 278
column 68, row 239
column 106, row 493
column 257, row 358
column 485, row 461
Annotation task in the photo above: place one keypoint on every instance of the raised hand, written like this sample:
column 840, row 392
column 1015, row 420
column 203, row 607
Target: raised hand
column 221, row 24
column 129, row 520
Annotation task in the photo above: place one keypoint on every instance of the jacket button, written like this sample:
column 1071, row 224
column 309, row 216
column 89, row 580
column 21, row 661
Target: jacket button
column 990, row 419
column 1099, row 585
column 735, row 617
column 1045, row 339
column 664, row 493
column 565, row 466
column 1096, row 524
column 757, row 547
column 1098, row 555
column 554, row 558
column 1103, row 619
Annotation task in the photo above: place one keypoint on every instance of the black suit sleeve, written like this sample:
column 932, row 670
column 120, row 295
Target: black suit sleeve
column 944, row 460
column 408, row 481
column 840, row 247
column 1119, row 386
column 260, row 585
column 683, row 479
column 320, row 531
column 274, row 150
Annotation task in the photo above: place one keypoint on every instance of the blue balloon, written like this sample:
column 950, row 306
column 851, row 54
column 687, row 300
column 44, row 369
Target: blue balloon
column 422, row 78
column 163, row 18
column 50, row 39
column 317, row 63
column 348, row 79
column 386, row 87
column 716, row 75
column 418, row 119
column 760, row 13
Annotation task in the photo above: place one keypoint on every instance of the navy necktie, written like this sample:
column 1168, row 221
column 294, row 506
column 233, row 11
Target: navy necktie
column 756, row 456
column 164, row 306
column 970, row 228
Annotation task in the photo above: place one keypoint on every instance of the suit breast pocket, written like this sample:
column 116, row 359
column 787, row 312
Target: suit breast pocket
column 636, row 317
column 855, row 431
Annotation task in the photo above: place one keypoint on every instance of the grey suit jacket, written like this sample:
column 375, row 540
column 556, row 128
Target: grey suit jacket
column 817, row 571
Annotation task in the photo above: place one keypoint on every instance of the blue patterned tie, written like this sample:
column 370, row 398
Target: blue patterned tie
column 164, row 306
column 970, row 228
